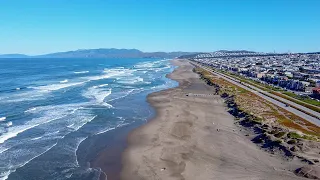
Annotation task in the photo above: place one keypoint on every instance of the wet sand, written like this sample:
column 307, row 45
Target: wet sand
column 194, row 137
column 109, row 159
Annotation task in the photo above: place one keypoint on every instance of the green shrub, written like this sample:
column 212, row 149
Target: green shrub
column 280, row 134
column 294, row 135
column 292, row 141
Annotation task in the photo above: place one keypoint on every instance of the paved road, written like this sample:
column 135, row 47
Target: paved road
column 273, row 100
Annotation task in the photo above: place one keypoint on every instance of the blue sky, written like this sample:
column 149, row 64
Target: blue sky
column 41, row 26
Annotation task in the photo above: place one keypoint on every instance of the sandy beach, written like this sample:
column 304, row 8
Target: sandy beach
column 194, row 137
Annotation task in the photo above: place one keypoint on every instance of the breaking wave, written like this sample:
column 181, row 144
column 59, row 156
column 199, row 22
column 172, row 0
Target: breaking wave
column 49, row 118
column 81, row 72
column 55, row 87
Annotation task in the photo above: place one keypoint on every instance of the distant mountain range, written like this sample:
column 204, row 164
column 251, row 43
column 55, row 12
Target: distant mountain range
column 103, row 53
column 13, row 56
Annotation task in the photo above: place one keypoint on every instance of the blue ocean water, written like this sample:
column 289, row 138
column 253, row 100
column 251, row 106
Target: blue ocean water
column 49, row 106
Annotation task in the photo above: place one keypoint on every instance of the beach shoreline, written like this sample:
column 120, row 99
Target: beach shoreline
column 109, row 159
column 192, row 136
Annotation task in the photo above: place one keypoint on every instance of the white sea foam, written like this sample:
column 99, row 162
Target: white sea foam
column 77, row 120
column 76, row 126
column 50, row 147
column 36, row 138
column 154, row 66
column 14, row 131
column 103, row 76
column 3, row 118
column 70, row 126
column 24, row 96
column 64, row 81
column 131, row 80
column 30, row 110
column 52, row 133
column 5, row 175
column 145, row 65
column 121, row 118
column 39, row 92
column 122, row 124
column 110, row 73
column 104, row 131
column 55, row 87
column 81, row 72
column 81, row 122
column 8, row 124
column 102, row 85
column 3, row 150
column 163, row 86
column 94, row 78
column 107, row 73
column 49, row 113
column 98, row 94
column 75, row 151
column 121, row 95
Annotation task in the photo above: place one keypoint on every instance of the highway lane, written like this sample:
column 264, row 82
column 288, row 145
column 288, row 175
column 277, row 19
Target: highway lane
column 273, row 100
column 276, row 97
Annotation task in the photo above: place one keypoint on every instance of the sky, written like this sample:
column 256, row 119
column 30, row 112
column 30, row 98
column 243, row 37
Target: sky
column 40, row 26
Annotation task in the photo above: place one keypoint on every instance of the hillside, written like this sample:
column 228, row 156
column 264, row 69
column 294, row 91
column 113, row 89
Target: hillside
column 103, row 53
column 13, row 56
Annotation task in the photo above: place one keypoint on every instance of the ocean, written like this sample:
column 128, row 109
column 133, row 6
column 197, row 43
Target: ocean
column 50, row 107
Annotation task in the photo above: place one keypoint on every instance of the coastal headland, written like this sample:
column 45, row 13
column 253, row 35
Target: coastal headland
column 193, row 136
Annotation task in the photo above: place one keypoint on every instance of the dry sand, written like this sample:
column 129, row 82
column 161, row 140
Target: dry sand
column 194, row 138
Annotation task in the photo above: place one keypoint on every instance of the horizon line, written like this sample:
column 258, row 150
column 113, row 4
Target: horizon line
column 43, row 54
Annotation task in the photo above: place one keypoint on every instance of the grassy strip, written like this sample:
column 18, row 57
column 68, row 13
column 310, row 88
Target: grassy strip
column 304, row 99
column 283, row 95
column 260, row 109
column 297, row 101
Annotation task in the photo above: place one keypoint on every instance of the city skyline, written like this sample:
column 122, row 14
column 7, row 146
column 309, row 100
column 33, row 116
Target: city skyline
column 36, row 27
